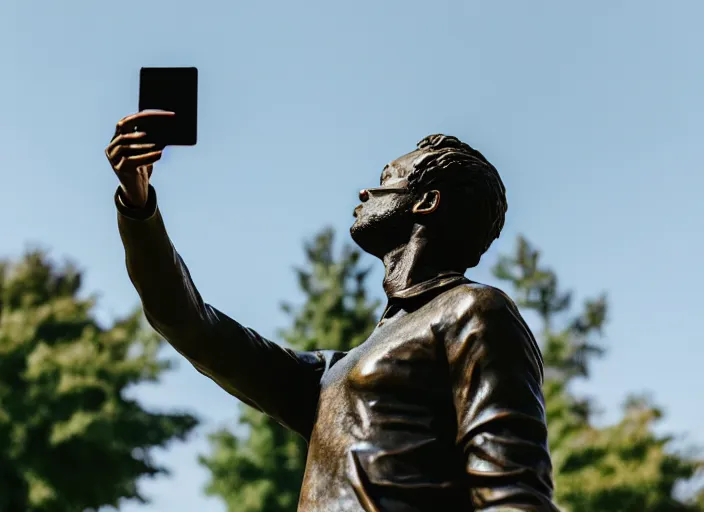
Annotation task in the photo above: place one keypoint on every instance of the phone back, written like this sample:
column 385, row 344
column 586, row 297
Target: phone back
column 175, row 90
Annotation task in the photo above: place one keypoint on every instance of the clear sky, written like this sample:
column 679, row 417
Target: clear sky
column 592, row 112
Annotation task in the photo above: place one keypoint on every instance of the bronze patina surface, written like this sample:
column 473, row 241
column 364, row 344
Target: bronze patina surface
column 441, row 408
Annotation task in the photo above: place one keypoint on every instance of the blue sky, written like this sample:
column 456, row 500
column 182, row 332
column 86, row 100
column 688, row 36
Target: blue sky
column 592, row 112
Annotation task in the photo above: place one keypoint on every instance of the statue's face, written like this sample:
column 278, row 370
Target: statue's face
column 384, row 220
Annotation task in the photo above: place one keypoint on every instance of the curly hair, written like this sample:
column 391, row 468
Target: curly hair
column 477, row 196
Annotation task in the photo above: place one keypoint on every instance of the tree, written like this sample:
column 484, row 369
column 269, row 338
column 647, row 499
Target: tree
column 621, row 468
column 263, row 471
column 71, row 440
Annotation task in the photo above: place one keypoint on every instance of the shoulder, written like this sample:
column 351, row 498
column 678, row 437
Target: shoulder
column 484, row 318
column 476, row 299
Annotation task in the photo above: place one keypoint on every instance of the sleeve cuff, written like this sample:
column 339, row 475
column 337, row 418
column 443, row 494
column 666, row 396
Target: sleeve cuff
column 145, row 213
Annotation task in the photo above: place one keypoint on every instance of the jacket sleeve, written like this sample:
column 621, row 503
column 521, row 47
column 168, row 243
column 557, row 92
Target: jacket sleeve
column 496, row 374
column 280, row 382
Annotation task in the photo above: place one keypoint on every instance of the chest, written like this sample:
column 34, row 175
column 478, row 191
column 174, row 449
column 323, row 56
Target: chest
column 404, row 354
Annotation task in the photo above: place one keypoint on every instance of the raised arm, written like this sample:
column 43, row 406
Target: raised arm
column 282, row 383
column 496, row 374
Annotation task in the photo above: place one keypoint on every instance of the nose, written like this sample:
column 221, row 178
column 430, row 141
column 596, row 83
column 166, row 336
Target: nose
column 364, row 195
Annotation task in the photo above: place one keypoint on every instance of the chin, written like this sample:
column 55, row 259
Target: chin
column 371, row 238
column 357, row 233
column 364, row 237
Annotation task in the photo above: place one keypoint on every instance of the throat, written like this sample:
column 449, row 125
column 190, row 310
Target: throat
column 413, row 263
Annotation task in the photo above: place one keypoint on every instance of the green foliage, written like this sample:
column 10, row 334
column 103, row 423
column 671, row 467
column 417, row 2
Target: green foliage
column 262, row 472
column 71, row 440
column 621, row 468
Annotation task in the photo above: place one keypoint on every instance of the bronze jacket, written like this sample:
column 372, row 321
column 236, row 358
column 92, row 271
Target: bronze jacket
column 440, row 409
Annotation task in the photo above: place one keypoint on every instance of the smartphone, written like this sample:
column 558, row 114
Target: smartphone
column 175, row 90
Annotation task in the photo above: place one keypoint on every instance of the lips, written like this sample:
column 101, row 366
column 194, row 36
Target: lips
column 356, row 211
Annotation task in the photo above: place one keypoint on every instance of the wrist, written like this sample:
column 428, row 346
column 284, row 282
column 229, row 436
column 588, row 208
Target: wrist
column 127, row 202
column 127, row 209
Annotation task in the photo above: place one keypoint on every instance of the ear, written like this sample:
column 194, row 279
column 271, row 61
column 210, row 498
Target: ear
column 428, row 203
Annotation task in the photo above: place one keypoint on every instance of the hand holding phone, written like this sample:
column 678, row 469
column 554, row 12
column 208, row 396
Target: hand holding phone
column 132, row 154
column 168, row 104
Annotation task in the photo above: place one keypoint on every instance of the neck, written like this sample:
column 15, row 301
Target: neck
column 413, row 262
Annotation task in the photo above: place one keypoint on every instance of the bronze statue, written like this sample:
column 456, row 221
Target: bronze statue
column 441, row 408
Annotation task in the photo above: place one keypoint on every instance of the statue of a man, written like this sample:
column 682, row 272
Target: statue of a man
column 441, row 408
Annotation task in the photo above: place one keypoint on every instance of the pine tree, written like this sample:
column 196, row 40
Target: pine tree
column 263, row 471
column 70, row 440
column 625, row 467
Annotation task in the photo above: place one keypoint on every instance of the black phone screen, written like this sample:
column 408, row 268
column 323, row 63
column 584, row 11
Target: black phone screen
column 175, row 90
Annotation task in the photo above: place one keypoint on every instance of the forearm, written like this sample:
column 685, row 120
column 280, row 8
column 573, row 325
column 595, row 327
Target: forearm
column 170, row 300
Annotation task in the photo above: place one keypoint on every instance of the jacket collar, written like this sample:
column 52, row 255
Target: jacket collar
column 423, row 290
